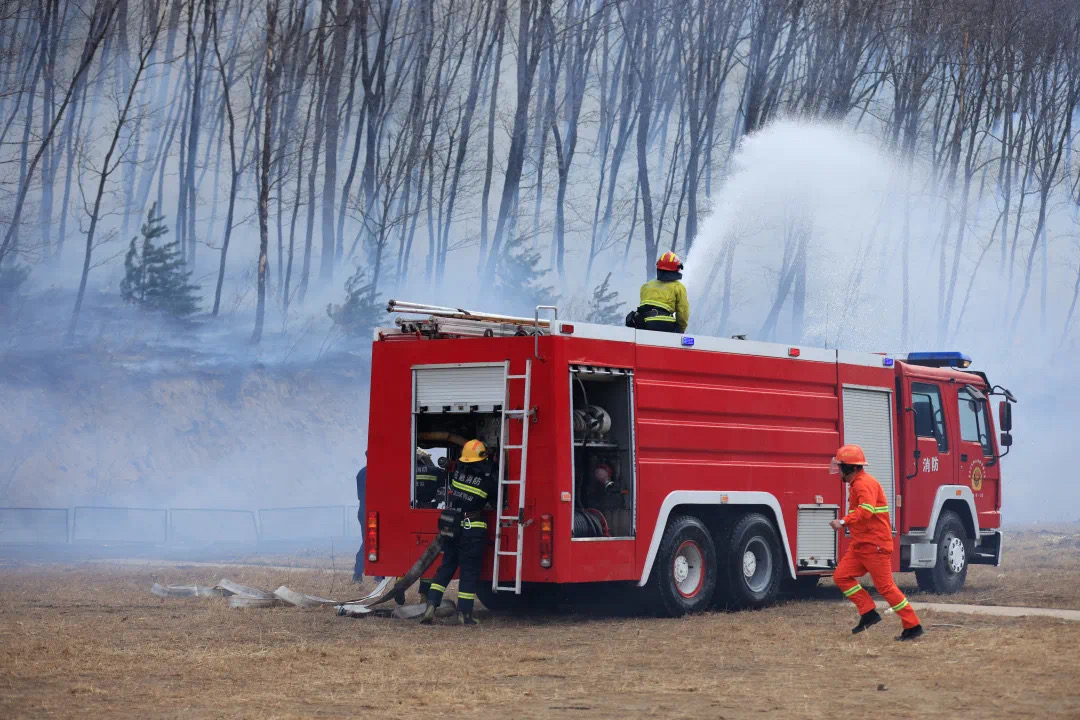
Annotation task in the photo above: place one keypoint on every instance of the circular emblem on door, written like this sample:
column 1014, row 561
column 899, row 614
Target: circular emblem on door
column 976, row 476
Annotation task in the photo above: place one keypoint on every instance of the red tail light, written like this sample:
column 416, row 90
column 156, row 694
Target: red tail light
column 545, row 541
column 372, row 539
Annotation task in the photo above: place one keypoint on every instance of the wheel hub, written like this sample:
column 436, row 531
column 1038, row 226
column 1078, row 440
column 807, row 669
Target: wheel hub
column 749, row 564
column 688, row 569
column 757, row 564
column 955, row 554
column 682, row 569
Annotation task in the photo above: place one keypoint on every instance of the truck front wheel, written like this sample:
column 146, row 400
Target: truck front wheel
column 752, row 563
column 953, row 556
column 683, row 577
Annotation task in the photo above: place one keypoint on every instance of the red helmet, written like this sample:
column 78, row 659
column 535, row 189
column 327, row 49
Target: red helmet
column 851, row 455
column 669, row 261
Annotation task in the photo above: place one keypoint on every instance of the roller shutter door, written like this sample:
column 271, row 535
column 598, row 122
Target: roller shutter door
column 868, row 423
column 459, row 388
column 817, row 541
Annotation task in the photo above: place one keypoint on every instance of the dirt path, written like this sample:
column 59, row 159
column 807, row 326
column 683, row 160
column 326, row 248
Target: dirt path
column 994, row 610
column 91, row 641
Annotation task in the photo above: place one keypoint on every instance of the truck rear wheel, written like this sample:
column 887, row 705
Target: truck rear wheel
column 683, row 578
column 953, row 557
column 751, row 563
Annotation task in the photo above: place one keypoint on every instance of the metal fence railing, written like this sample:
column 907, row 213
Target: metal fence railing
column 89, row 524
column 199, row 526
column 304, row 523
column 33, row 525
column 120, row 524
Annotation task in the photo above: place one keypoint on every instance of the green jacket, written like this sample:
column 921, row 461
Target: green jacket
column 670, row 296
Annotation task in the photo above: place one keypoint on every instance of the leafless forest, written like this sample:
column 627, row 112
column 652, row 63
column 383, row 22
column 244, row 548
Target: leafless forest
column 530, row 145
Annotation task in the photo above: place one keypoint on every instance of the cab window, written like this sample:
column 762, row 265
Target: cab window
column 974, row 426
column 929, row 416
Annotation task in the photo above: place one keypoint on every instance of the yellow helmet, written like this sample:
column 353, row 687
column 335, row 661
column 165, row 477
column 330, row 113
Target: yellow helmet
column 474, row 451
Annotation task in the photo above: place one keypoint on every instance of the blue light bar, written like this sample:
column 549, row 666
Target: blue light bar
column 887, row 361
column 938, row 359
column 688, row 341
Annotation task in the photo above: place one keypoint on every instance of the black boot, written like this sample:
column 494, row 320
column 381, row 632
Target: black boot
column 466, row 618
column 911, row 633
column 865, row 621
column 429, row 615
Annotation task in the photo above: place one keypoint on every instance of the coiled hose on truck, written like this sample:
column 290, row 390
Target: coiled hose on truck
column 590, row 522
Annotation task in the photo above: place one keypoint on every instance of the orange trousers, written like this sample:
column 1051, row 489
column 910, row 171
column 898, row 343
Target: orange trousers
column 879, row 564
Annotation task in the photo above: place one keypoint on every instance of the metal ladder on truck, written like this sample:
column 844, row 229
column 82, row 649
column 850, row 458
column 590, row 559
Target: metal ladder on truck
column 505, row 520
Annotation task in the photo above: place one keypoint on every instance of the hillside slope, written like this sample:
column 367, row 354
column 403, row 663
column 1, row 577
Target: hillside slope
column 90, row 427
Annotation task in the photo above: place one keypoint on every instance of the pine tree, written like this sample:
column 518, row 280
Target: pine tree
column 519, row 278
column 359, row 314
column 604, row 308
column 12, row 276
column 156, row 276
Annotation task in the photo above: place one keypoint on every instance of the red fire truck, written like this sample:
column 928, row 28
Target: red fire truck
column 696, row 468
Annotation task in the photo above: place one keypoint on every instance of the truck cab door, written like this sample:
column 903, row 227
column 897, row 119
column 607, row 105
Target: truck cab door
column 925, row 429
column 977, row 466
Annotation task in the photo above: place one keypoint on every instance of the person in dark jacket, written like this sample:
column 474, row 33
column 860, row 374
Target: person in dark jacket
column 472, row 485
column 361, row 483
column 429, row 479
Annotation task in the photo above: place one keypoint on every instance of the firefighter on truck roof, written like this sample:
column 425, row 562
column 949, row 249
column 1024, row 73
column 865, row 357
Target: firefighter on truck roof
column 871, row 546
column 463, row 531
column 663, row 302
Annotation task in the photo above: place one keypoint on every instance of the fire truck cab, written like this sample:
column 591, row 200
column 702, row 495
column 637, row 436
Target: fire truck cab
column 694, row 469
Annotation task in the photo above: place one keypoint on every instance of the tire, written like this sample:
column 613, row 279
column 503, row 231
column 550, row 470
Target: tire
column 751, row 563
column 953, row 557
column 683, row 577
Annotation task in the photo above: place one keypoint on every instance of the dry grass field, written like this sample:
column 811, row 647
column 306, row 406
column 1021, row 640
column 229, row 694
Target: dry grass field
column 90, row 641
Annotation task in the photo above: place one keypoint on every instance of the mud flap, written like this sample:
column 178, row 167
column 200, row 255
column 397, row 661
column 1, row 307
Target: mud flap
column 426, row 559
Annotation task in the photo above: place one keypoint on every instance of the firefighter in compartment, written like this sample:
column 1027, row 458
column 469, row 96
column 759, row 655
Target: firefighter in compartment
column 430, row 478
column 871, row 546
column 664, row 305
column 464, row 531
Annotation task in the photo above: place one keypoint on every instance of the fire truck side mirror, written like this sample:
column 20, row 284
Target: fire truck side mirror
column 1006, row 439
column 1005, row 418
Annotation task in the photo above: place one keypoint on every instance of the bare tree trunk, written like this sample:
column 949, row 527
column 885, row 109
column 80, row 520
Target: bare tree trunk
column 530, row 46
column 99, row 24
column 488, row 167
column 331, row 119
column 269, row 102
column 106, row 170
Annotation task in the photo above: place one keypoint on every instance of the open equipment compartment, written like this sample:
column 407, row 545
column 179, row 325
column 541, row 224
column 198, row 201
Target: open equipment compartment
column 453, row 404
column 603, row 457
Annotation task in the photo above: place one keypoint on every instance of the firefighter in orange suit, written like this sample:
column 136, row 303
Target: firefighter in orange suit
column 871, row 546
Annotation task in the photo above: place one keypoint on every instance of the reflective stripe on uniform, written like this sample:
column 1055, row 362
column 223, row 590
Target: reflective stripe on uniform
column 466, row 596
column 437, row 586
column 867, row 506
column 665, row 318
column 469, row 489
column 470, row 524
column 851, row 591
column 900, row 605
column 659, row 305
column 882, row 509
column 426, row 477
